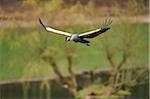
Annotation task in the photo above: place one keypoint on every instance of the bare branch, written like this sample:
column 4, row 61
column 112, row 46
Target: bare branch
column 124, row 59
column 54, row 67
column 72, row 83
column 110, row 57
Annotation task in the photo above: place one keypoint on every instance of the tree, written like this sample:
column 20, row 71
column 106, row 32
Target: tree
column 69, row 83
column 122, row 48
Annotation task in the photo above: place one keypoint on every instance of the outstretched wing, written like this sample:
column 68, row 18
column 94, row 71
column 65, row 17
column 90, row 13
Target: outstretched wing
column 97, row 32
column 54, row 30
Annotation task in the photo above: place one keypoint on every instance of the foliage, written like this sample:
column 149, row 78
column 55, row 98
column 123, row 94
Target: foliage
column 136, row 7
column 59, row 12
column 123, row 93
column 99, row 91
column 30, row 2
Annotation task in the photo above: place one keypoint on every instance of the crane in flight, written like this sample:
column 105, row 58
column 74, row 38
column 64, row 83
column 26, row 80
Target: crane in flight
column 80, row 37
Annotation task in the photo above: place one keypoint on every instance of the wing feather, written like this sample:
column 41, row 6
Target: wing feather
column 97, row 32
column 54, row 30
column 94, row 33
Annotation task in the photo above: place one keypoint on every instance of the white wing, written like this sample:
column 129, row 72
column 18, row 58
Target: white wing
column 54, row 30
column 57, row 31
column 90, row 32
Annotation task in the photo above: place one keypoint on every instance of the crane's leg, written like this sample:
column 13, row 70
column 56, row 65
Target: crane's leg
column 85, row 42
column 82, row 41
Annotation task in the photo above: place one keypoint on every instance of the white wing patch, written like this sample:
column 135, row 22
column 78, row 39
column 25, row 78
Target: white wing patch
column 90, row 32
column 57, row 31
column 54, row 30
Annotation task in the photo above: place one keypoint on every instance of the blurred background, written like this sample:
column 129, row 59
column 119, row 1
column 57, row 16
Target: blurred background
column 36, row 64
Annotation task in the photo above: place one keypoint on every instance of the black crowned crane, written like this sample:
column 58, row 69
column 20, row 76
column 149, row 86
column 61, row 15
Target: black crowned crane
column 80, row 37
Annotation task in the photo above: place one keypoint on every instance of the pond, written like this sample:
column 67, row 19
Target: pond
column 52, row 89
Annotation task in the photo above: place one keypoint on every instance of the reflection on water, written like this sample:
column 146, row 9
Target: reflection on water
column 140, row 92
column 52, row 90
column 33, row 91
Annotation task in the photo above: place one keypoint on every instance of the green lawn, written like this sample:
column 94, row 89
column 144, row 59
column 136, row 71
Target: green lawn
column 19, row 52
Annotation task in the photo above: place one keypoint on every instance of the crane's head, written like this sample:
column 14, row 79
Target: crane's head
column 67, row 39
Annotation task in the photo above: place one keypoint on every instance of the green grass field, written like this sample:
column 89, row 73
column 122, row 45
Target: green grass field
column 20, row 59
